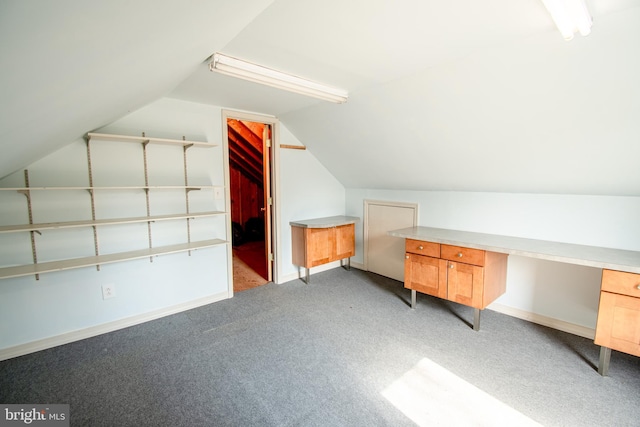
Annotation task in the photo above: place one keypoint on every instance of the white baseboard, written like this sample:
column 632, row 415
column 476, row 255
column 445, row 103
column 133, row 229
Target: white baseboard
column 43, row 344
column 358, row 265
column 550, row 322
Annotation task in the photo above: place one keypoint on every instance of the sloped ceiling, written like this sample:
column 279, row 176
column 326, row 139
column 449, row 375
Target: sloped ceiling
column 455, row 95
column 68, row 67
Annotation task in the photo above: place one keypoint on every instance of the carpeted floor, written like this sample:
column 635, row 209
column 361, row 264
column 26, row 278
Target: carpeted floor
column 344, row 351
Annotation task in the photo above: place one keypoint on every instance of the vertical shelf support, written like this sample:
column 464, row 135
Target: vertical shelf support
column 186, row 191
column 93, row 200
column 146, row 190
column 145, row 143
column 27, row 194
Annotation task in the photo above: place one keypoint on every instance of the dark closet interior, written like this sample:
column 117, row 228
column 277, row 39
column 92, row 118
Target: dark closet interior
column 246, row 173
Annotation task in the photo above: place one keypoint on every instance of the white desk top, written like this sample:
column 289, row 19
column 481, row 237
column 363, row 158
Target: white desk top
column 591, row 256
column 327, row 222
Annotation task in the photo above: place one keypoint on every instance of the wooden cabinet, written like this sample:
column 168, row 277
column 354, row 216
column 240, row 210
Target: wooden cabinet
column 345, row 242
column 618, row 325
column 468, row 276
column 317, row 242
column 465, row 284
column 426, row 274
column 317, row 246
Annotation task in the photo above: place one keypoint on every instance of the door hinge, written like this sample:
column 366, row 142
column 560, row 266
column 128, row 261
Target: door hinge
column 268, row 142
column 271, row 256
column 270, row 201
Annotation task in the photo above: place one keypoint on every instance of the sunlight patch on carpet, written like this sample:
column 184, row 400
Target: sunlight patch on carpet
column 430, row 395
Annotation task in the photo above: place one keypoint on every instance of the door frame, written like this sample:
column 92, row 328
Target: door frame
column 275, row 184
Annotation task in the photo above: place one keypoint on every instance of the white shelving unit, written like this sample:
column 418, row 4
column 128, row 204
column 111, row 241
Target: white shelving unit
column 98, row 259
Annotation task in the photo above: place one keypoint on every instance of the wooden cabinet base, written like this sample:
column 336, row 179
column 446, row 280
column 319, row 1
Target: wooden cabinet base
column 618, row 325
column 314, row 246
column 471, row 277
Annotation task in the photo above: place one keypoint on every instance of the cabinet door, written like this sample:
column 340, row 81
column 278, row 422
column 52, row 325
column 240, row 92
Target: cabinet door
column 425, row 274
column 619, row 323
column 464, row 283
column 320, row 244
column 345, row 241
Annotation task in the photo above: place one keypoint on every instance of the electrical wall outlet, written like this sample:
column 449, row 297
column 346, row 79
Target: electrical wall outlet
column 108, row 291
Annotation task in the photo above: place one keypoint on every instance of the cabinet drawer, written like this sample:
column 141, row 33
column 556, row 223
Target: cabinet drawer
column 465, row 255
column 620, row 282
column 423, row 248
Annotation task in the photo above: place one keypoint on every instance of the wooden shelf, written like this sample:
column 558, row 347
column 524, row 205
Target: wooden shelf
column 141, row 187
column 69, row 264
column 100, row 222
column 144, row 139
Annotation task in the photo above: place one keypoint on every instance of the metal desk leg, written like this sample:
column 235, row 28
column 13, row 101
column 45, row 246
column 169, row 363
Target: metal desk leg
column 605, row 357
column 304, row 279
column 476, row 319
column 413, row 298
column 346, row 266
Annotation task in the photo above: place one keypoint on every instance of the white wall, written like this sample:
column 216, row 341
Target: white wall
column 559, row 291
column 68, row 305
column 308, row 191
column 69, row 302
column 64, row 302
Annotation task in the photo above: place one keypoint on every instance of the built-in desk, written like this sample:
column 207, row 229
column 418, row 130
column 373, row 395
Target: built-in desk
column 319, row 241
column 618, row 325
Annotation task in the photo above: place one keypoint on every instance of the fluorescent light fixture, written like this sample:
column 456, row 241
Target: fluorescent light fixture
column 256, row 73
column 570, row 16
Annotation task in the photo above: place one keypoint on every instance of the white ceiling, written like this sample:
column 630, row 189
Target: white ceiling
column 457, row 95
column 71, row 66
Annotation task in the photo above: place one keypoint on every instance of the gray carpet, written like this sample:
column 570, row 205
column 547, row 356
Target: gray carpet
column 321, row 355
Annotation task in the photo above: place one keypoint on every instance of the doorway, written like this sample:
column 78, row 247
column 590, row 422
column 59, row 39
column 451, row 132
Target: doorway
column 250, row 164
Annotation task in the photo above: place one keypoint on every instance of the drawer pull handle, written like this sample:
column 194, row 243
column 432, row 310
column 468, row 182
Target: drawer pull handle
column 452, row 265
column 420, row 247
column 459, row 254
column 406, row 256
column 638, row 287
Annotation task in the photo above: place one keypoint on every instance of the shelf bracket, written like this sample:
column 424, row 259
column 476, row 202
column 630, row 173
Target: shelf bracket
column 145, row 141
column 25, row 193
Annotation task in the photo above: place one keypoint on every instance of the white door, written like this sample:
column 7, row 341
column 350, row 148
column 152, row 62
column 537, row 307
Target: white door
column 384, row 254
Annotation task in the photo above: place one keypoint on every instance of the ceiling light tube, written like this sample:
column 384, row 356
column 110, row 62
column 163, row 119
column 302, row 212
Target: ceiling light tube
column 256, row 73
column 570, row 16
